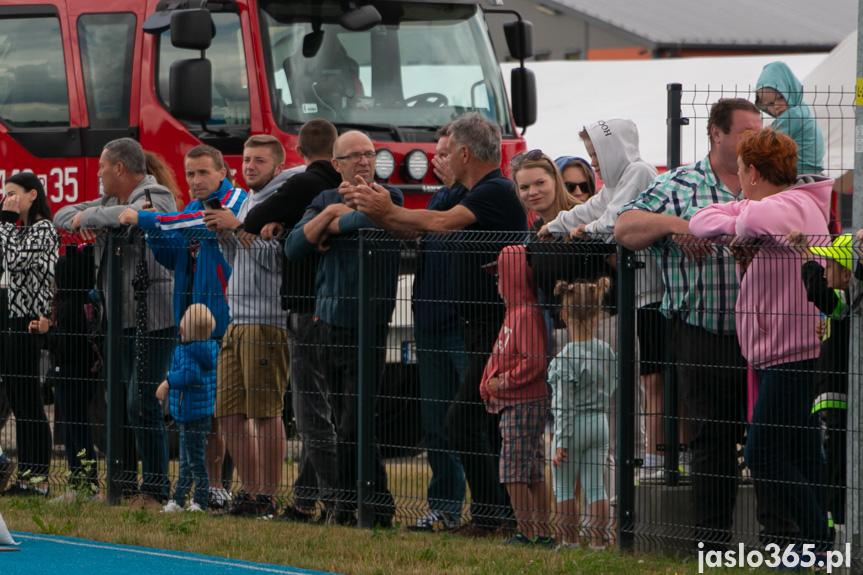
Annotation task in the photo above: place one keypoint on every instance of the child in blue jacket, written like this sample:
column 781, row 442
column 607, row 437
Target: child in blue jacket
column 191, row 391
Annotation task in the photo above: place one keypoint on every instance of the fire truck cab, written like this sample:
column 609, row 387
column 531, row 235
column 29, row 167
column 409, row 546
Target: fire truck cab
column 75, row 74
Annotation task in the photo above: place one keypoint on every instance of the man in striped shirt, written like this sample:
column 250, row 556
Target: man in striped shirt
column 181, row 242
column 700, row 293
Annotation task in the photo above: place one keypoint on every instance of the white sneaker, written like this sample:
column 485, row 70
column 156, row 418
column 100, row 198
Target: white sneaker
column 171, row 507
column 193, row 507
column 435, row 521
column 219, row 498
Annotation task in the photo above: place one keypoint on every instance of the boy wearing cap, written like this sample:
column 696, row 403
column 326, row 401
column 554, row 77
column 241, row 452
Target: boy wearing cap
column 827, row 289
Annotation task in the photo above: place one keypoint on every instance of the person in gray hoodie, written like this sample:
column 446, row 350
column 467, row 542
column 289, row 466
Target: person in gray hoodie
column 253, row 366
column 124, row 179
column 613, row 149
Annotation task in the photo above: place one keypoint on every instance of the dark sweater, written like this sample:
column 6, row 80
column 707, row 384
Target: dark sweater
column 287, row 207
column 831, row 371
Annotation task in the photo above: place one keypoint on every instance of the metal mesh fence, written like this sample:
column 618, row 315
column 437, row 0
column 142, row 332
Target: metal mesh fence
column 386, row 379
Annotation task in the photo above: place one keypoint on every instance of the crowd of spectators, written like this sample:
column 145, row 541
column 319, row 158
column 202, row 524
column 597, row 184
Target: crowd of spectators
column 514, row 339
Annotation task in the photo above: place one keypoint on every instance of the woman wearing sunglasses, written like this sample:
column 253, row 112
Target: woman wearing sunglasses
column 578, row 177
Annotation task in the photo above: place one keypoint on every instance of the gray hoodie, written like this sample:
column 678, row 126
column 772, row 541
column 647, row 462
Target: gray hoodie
column 104, row 213
column 253, row 289
column 624, row 176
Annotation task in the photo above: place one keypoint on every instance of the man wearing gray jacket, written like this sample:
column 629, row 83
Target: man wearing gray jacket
column 147, row 341
column 253, row 368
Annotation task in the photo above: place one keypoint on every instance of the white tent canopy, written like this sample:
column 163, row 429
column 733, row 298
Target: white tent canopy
column 829, row 90
column 574, row 93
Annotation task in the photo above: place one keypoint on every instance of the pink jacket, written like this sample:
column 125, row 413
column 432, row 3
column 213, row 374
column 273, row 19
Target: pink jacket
column 775, row 323
column 519, row 358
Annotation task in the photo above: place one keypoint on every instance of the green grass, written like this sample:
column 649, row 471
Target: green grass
column 334, row 549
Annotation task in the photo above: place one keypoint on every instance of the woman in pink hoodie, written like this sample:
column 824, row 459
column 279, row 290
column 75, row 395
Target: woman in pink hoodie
column 514, row 385
column 774, row 321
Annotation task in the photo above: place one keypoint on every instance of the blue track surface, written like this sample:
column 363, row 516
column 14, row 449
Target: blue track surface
column 51, row 554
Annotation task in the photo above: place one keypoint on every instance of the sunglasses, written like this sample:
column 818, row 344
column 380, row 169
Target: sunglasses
column 570, row 187
column 532, row 155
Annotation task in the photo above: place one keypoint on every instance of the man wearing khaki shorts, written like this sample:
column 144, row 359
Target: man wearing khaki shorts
column 253, row 363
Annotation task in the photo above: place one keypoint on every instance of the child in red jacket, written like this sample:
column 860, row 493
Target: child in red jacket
column 514, row 385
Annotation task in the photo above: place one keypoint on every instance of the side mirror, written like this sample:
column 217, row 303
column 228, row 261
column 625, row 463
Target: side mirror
column 189, row 92
column 523, row 86
column 519, row 39
column 360, row 19
column 192, row 29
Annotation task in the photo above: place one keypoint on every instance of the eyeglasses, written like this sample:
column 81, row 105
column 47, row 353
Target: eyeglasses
column 532, row 155
column 570, row 187
column 356, row 156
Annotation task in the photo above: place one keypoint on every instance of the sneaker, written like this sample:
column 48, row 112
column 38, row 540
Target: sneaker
column 549, row 542
column 435, row 521
column 194, row 507
column 566, row 546
column 473, row 530
column 518, row 539
column 7, row 471
column 219, row 498
column 291, row 513
column 172, row 507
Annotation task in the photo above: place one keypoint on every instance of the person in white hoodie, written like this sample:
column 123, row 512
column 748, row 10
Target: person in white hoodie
column 250, row 394
column 614, row 155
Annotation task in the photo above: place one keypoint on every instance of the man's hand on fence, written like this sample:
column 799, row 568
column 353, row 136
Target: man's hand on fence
column 693, row 248
column 272, row 231
column 129, row 217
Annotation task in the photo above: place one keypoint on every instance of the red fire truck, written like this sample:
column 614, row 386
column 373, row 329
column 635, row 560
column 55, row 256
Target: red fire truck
column 75, row 74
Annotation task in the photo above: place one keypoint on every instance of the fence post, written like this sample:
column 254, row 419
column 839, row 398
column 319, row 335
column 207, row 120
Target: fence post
column 671, row 435
column 114, row 380
column 626, row 463
column 673, row 123
column 366, row 385
column 854, row 423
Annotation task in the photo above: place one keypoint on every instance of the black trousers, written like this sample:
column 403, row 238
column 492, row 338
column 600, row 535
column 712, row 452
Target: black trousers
column 341, row 372
column 475, row 433
column 712, row 378
column 20, row 353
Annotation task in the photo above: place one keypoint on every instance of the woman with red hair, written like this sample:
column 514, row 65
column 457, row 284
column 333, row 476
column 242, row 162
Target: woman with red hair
column 775, row 321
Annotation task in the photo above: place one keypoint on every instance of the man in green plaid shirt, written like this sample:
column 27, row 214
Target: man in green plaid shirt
column 700, row 293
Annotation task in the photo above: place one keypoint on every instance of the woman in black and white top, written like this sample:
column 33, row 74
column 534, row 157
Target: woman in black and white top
column 29, row 252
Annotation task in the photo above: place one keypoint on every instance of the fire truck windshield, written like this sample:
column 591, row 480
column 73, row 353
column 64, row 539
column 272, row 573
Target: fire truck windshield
column 422, row 66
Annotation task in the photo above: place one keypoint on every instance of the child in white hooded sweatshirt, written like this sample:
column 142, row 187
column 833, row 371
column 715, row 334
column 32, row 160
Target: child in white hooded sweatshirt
column 614, row 154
